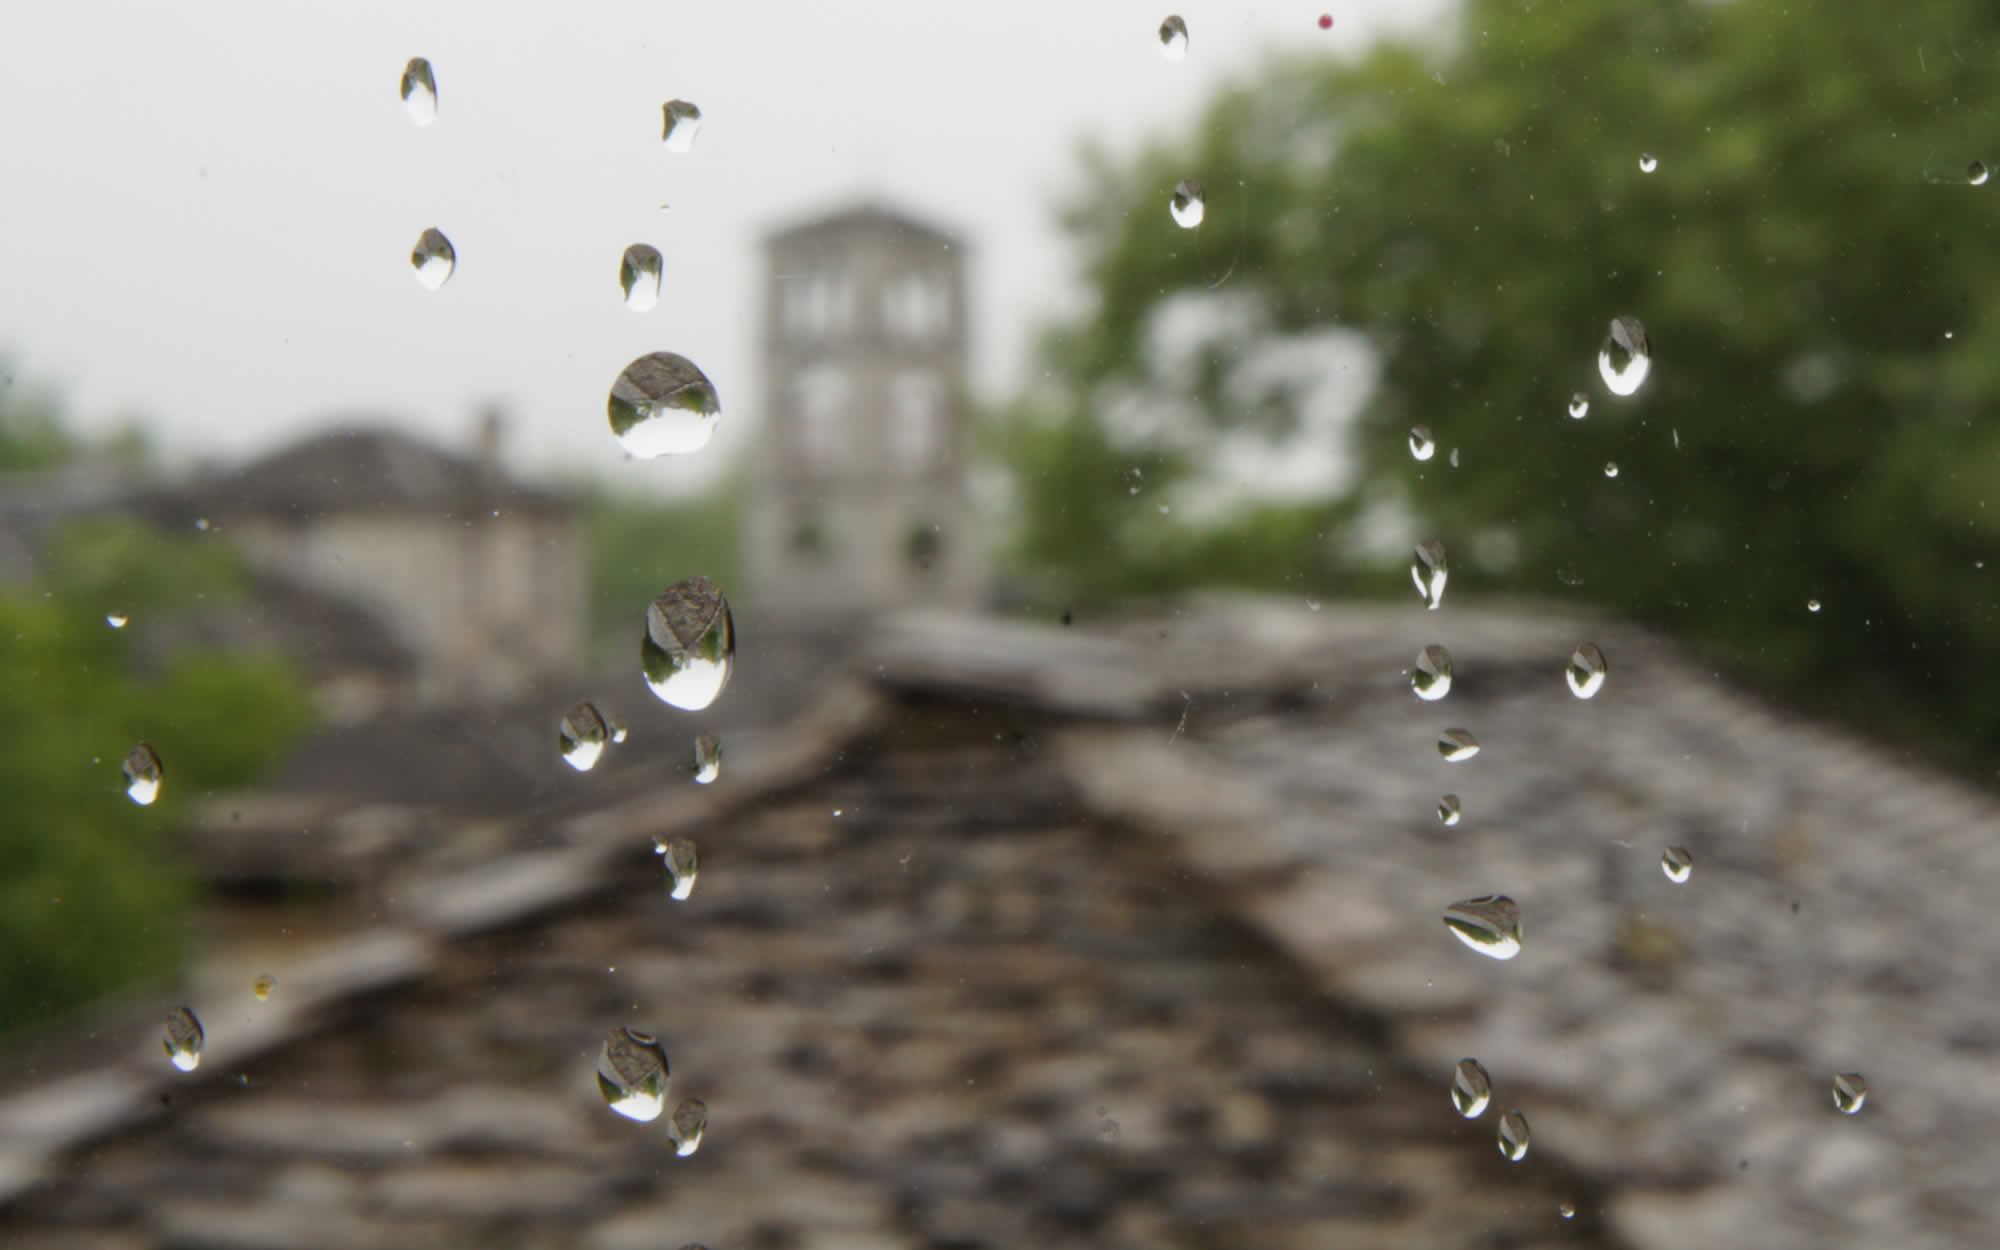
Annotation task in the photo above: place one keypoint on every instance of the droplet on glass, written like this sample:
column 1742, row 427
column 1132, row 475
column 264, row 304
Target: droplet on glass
column 1490, row 924
column 1812, row 605
column 683, row 121
column 1429, row 570
column 1977, row 173
column 1422, row 445
column 1107, row 1129
column 1626, row 356
column 663, row 405
column 1173, row 38
column 1471, row 1088
column 1514, row 1136
column 1454, row 457
column 1449, row 811
column 1611, row 468
column 689, row 1123
column 581, row 736
column 690, row 645
column 1566, row 1209
column 1677, row 864
column 261, row 988
column 707, row 759
column 1849, row 1092
column 1430, row 676
column 116, row 620
column 1586, row 671
column 1648, row 162
column 632, row 1074
column 1457, row 745
column 639, row 276
column 1579, row 406
column 143, row 774
column 420, row 91
column 184, row 1039
column 433, row 258
column 1189, row 204
column 683, row 866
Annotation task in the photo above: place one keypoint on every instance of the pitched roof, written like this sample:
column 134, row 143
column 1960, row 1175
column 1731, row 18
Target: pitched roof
column 863, row 215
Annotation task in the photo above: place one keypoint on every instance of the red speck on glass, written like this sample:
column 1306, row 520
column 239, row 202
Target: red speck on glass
column 1326, row 21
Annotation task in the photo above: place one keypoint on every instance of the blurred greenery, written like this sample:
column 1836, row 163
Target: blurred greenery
column 1812, row 263
column 640, row 545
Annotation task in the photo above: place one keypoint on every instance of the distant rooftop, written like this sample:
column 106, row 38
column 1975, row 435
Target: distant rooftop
column 859, row 216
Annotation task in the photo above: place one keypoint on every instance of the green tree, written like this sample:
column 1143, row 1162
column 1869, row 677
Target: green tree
column 641, row 545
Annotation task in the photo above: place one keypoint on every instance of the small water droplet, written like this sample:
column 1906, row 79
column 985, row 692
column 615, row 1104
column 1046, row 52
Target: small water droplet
column 1648, row 162
column 1586, row 671
column 143, row 774
column 1173, row 38
column 1429, row 571
column 1567, row 1210
column 1422, row 445
column 1579, row 406
column 184, row 1039
column 618, row 733
column 639, row 276
column 1626, row 356
column 1490, row 924
column 261, row 988
column 1677, row 864
column 683, row 122
column 1457, row 745
column 1977, row 173
column 116, row 620
column 420, row 91
column 1812, row 605
column 581, row 736
column 1430, row 676
column 1449, row 811
column 632, row 1074
column 1107, row 1130
column 1611, row 468
column 662, row 405
column 707, row 759
column 683, row 866
column 1471, row 1088
column 1454, row 457
column 1849, row 1092
column 689, row 1123
column 433, row 258
column 1514, row 1136
column 1189, row 204
column 689, row 649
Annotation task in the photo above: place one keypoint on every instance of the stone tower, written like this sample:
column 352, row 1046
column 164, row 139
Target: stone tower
column 860, row 502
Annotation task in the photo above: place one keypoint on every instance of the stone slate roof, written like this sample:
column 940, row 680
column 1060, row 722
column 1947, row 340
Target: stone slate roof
column 863, row 216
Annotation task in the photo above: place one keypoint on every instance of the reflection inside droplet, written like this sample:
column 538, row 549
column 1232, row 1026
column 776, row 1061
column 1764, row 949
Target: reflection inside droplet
column 1677, row 864
column 1173, row 38
column 683, row 866
column 1513, row 1136
column 1489, row 924
column 1579, row 406
column 682, row 123
column 662, row 404
column 639, row 273
column 1449, row 811
column 689, row 1123
column 419, row 91
column 1586, row 671
column 1457, row 745
column 689, row 649
column 1422, row 445
column 581, row 736
column 1429, row 571
column 1471, row 1088
column 707, row 758
column 632, row 1074
column 143, row 774
column 1189, row 204
column 184, row 1039
column 1849, row 1092
column 1430, row 676
column 1626, row 356
column 433, row 258
column 1648, row 162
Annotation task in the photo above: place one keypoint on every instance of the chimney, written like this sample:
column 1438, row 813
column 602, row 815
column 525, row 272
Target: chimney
column 492, row 432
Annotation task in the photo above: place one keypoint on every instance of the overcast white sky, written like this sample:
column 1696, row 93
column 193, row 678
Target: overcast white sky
column 209, row 207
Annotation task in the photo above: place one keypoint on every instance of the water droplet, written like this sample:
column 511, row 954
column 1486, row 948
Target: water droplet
column 1611, row 468
column 420, row 91
column 1430, row 676
column 663, row 405
column 1107, row 1129
column 1449, row 811
column 1422, row 445
column 1812, row 605
column 261, row 988
column 1471, row 1088
column 1188, row 205
column 689, row 1123
column 639, row 276
column 1457, row 745
column 1977, row 173
column 1454, row 457
column 1677, row 864
column 1490, row 924
column 433, row 258
column 184, row 1039
column 683, row 866
column 1626, row 356
column 1579, row 406
column 690, row 645
column 618, row 734
column 1429, row 571
column 632, row 1074
column 1648, row 162
column 1173, row 38
column 707, row 759
column 1587, row 671
column 581, row 736
column 1514, row 1136
column 1849, row 1092
column 683, row 122
column 1567, row 1210
column 143, row 774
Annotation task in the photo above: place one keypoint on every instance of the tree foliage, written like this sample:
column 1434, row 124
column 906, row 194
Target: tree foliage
column 639, row 546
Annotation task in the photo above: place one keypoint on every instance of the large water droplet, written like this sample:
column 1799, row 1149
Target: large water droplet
column 1449, row 811
column 1471, row 1088
column 261, row 988
column 433, row 258
column 1490, row 924
column 683, row 866
column 639, row 276
column 632, row 1074
column 1514, row 1136
column 662, row 405
column 1173, row 38
column 1457, row 745
column 1586, row 671
column 1626, row 357
column 1429, row 570
column 1430, row 676
column 707, row 759
column 1977, row 173
column 184, row 1039
column 683, row 122
column 1189, row 205
column 1579, row 406
column 1648, row 162
column 420, row 91
column 143, row 774
column 690, row 644
column 581, row 736
column 689, row 1123
column 1422, row 445
column 1849, row 1092
column 1677, row 864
